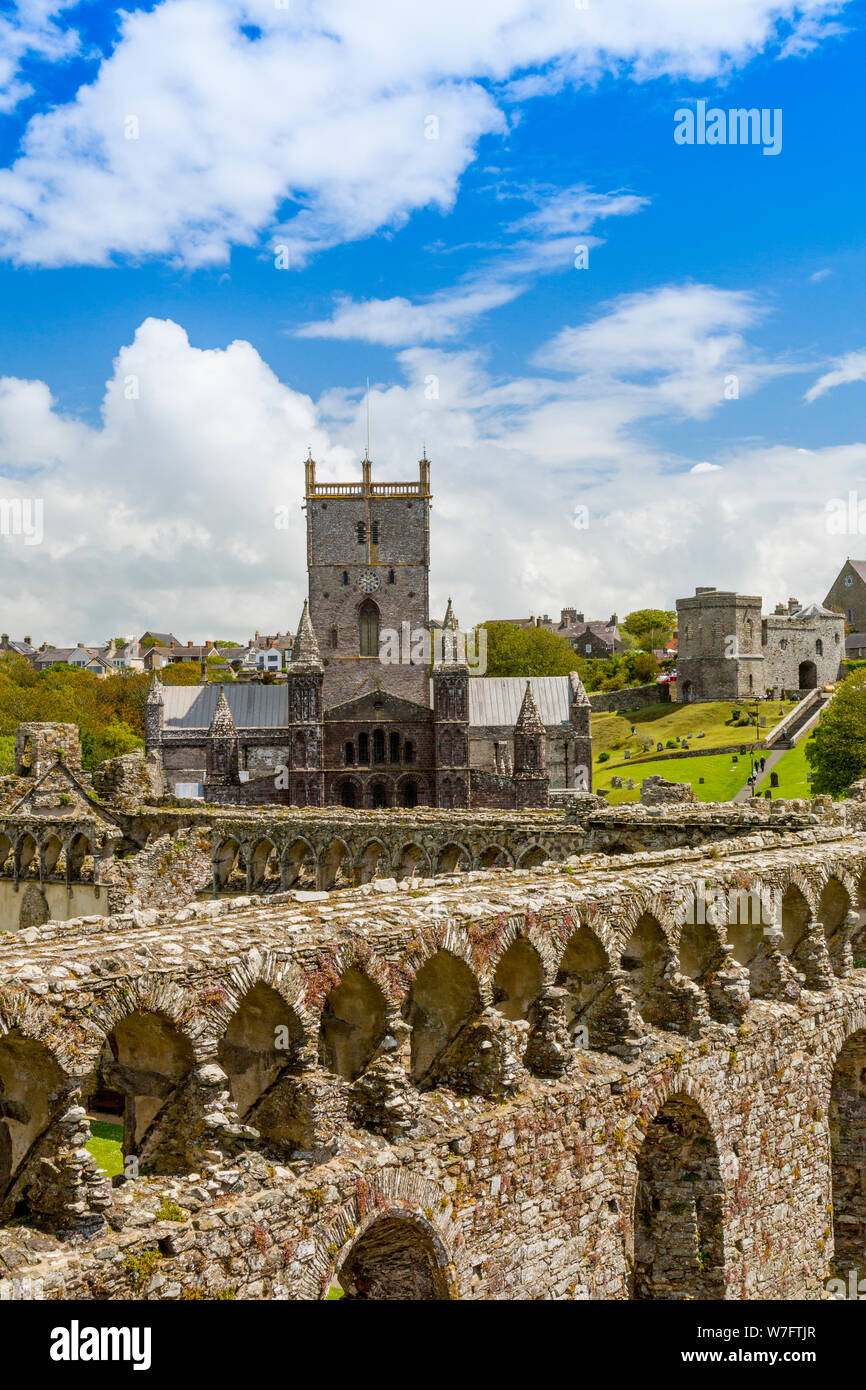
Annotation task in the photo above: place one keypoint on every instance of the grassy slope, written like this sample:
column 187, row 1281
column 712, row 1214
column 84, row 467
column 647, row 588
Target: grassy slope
column 792, row 769
column 612, row 732
column 722, row 777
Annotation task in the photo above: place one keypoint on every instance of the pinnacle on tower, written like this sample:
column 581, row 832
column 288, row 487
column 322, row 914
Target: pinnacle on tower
column 154, row 691
column 529, row 720
column 450, row 621
column 222, row 725
column 306, row 648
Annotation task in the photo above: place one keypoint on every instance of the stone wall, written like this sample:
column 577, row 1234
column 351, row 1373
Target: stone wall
column 454, row 1113
column 633, row 697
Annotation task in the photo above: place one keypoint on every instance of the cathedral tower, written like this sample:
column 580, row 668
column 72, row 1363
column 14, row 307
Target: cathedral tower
column 368, row 561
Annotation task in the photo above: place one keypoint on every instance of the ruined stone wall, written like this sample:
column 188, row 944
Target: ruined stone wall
column 684, row 1140
column 632, row 698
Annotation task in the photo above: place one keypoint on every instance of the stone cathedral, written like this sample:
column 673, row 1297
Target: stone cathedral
column 380, row 708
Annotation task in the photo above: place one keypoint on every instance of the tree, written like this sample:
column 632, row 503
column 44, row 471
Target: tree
column 836, row 752
column 181, row 673
column 645, row 667
column 653, row 627
column 514, row 651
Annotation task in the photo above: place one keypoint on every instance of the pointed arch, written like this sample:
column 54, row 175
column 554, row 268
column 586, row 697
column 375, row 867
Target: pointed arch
column 353, row 1024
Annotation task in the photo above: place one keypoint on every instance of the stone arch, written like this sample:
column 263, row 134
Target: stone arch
column 532, row 857
column 353, row 1024
column 646, row 960
column 749, row 923
column 518, row 979
column 397, row 1257
column 848, row 1152
column 369, row 859
column 444, row 997
column 264, row 866
column 584, row 972
column 413, row 862
column 807, row 675
column 796, row 914
column 349, row 792
column 53, row 860
column 225, row 861
column 33, row 1090
column 81, row 859
column 298, row 863
column 834, row 906
column 453, row 858
column 5, row 853
column 335, row 864
column 144, row 1060
column 263, row 1037
column 700, row 950
column 495, row 857
column 26, row 856
column 410, row 790
column 679, row 1207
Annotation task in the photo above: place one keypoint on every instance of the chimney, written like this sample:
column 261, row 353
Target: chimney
column 613, row 620
column 29, row 641
column 189, row 644
column 580, row 618
column 208, row 645
column 173, row 645
column 793, row 604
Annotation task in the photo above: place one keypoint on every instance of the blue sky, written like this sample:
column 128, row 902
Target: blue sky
column 416, row 261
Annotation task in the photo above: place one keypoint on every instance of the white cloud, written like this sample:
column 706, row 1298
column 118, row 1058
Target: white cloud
column 328, row 107
column 820, row 275
column 679, row 348
column 28, row 29
column 557, row 219
column 851, row 367
column 163, row 514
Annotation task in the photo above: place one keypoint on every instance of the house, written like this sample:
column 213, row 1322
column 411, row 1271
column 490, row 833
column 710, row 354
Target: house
column 159, row 639
column 855, row 646
column 24, row 648
column 78, row 656
column 848, row 594
column 154, row 658
column 597, row 638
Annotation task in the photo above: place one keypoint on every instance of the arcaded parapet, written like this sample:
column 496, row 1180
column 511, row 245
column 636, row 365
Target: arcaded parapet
column 624, row 1082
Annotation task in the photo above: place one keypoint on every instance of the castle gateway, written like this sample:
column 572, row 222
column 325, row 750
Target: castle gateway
column 368, row 716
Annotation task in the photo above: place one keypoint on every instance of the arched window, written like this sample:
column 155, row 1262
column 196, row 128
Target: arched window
column 819, row 647
column 390, row 576
column 368, row 628
column 380, row 796
column 408, row 751
column 345, row 579
column 394, row 748
column 350, row 753
column 347, row 794
column 378, row 746
column 363, row 748
column 334, row 637
column 410, row 793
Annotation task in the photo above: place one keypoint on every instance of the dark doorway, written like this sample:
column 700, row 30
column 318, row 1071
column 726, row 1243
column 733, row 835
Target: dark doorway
column 410, row 794
column 380, row 798
column 808, row 677
column 347, row 794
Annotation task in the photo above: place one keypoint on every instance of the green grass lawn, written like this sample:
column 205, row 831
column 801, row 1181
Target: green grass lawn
column 106, row 1146
column 722, row 777
column 611, row 733
column 792, row 769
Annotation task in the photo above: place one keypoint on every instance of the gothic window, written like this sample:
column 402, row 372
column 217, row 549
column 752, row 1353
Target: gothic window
column 334, row 637
column 379, row 796
column 345, row 578
column 363, row 748
column 362, row 532
column 851, row 617
column 394, row 748
column 819, row 647
column 350, row 753
column 374, row 528
column 368, row 628
column 378, row 746
column 390, row 576
column 347, row 794
column 408, row 751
